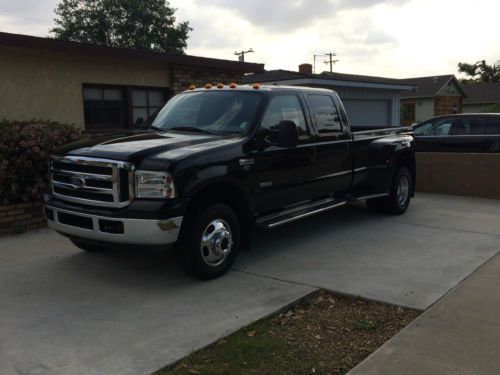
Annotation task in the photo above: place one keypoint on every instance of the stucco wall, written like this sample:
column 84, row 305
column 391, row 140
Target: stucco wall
column 48, row 85
column 424, row 109
column 476, row 108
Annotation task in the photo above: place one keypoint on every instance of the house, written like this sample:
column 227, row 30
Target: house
column 369, row 101
column 435, row 96
column 482, row 97
column 96, row 87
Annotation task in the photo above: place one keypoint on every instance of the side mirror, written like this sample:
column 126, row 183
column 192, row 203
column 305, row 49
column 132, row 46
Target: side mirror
column 288, row 134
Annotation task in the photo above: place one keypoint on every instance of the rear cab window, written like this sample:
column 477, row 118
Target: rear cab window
column 326, row 114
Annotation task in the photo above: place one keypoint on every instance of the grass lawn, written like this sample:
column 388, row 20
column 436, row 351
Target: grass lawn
column 324, row 334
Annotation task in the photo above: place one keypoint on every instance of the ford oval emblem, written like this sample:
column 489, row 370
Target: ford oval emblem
column 77, row 182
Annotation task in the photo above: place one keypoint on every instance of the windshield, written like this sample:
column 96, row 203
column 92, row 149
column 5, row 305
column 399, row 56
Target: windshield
column 219, row 112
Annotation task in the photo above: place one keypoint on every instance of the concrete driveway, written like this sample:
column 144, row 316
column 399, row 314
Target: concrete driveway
column 63, row 311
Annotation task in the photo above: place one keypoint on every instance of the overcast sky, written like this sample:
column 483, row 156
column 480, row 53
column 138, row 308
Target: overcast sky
column 392, row 38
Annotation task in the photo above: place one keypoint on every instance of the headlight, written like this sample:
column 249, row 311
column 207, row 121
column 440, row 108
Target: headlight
column 150, row 184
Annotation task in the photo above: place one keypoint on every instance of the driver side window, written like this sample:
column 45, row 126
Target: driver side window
column 284, row 107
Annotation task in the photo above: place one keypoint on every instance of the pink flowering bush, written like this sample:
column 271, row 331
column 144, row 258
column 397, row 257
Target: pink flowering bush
column 25, row 148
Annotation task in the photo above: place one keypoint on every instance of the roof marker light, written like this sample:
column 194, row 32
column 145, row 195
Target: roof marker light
column 233, row 85
column 208, row 86
column 256, row 86
column 191, row 87
column 220, row 85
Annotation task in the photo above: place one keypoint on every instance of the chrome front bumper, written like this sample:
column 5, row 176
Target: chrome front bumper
column 114, row 230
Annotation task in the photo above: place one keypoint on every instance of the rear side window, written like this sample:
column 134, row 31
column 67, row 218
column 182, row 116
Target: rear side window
column 493, row 126
column 469, row 126
column 326, row 114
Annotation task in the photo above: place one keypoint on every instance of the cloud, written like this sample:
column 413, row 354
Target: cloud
column 286, row 15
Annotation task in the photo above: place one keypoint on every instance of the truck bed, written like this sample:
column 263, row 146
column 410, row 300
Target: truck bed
column 362, row 132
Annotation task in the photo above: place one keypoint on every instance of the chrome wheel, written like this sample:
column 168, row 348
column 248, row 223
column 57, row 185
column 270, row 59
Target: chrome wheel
column 403, row 191
column 216, row 242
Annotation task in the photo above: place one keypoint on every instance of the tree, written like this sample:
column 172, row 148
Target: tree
column 480, row 71
column 137, row 24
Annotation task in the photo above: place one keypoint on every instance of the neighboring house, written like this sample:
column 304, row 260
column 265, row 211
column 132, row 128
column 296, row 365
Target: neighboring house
column 482, row 97
column 435, row 96
column 369, row 101
column 96, row 87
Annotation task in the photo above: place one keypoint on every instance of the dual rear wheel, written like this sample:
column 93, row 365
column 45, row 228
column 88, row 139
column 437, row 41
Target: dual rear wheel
column 398, row 200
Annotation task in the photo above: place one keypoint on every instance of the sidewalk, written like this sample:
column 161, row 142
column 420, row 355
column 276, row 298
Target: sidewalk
column 460, row 334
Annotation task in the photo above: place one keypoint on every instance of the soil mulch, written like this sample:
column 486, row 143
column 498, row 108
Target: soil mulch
column 323, row 334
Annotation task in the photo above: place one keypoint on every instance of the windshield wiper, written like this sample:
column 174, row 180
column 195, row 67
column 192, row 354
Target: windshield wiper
column 191, row 129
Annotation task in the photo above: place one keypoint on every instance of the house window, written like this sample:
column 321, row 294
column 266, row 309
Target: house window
column 145, row 103
column 408, row 112
column 109, row 107
column 104, row 107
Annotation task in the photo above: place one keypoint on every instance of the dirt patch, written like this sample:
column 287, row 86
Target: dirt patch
column 324, row 334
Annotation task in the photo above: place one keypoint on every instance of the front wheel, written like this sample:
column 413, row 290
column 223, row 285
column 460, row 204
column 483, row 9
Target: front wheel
column 209, row 241
column 399, row 198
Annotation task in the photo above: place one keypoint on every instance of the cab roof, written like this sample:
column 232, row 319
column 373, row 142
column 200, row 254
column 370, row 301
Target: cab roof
column 265, row 88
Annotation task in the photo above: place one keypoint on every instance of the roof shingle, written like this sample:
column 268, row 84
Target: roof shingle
column 284, row 75
column 426, row 86
column 482, row 93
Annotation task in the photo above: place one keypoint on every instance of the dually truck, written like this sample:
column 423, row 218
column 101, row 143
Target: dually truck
column 217, row 161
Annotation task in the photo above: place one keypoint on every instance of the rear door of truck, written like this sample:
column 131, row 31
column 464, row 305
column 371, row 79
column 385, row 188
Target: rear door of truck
column 334, row 151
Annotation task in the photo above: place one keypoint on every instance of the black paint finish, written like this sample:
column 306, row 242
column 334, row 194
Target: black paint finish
column 266, row 177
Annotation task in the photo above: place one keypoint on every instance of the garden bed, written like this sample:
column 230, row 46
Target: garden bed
column 324, row 334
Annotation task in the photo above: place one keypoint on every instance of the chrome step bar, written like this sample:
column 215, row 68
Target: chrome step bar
column 288, row 216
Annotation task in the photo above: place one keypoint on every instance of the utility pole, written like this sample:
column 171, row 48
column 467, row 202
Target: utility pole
column 331, row 61
column 241, row 55
column 314, row 65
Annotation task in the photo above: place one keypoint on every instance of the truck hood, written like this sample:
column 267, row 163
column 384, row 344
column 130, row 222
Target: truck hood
column 139, row 146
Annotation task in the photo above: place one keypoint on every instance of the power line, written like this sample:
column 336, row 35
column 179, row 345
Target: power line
column 241, row 55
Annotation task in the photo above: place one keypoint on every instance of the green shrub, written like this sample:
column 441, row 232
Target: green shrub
column 24, row 151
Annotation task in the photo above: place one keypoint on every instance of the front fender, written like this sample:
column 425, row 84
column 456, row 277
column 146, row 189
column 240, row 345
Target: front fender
column 209, row 176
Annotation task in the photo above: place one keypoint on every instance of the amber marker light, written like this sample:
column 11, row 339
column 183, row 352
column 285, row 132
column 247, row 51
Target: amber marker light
column 233, row 85
column 208, row 86
column 220, row 85
column 256, row 86
column 192, row 87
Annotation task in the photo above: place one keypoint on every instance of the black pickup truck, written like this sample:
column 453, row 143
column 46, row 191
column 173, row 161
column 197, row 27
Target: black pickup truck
column 218, row 160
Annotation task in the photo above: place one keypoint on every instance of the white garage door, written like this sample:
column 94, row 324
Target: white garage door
column 362, row 112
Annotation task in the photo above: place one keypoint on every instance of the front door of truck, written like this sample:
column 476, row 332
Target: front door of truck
column 282, row 176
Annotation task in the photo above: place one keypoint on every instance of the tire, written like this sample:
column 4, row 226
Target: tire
column 400, row 195
column 88, row 247
column 209, row 241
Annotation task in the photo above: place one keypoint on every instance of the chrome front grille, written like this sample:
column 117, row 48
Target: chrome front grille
column 92, row 181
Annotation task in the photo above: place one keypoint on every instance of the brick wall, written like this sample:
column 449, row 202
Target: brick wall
column 443, row 105
column 17, row 218
column 184, row 76
column 473, row 175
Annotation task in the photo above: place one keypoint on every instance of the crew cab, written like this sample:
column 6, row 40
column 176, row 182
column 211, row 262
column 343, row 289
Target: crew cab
column 218, row 160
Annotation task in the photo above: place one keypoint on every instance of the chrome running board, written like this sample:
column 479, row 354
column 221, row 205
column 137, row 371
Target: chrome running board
column 287, row 216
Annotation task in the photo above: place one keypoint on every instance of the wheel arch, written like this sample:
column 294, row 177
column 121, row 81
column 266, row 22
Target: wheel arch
column 222, row 191
column 407, row 158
